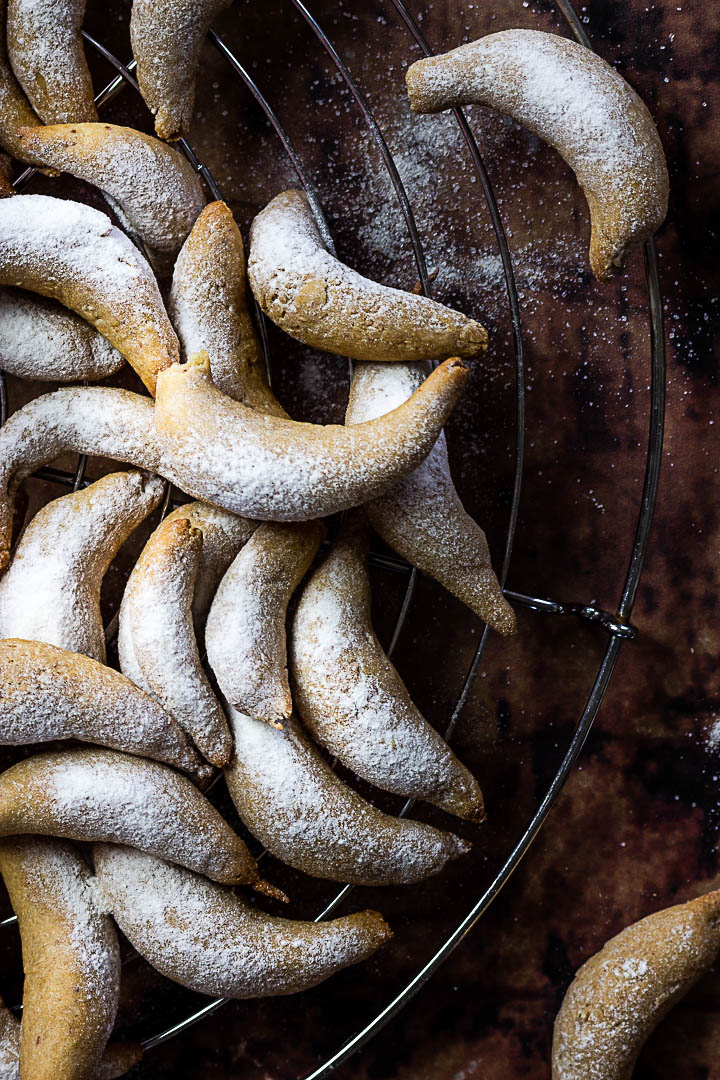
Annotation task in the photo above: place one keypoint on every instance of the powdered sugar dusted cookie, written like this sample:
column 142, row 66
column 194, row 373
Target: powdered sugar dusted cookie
column 245, row 633
column 154, row 189
column 41, row 339
column 85, row 794
column 291, row 800
column 167, row 36
column 352, row 699
column 75, row 254
column 71, row 958
column 157, row 642
column 574, row 100
column 15, row 110
column 46, row 51
column 209, row 308
column 50, row 693
column 51, row 591
column 619, row 995
column 209, row 939
column 318, row 300
column 422, row 517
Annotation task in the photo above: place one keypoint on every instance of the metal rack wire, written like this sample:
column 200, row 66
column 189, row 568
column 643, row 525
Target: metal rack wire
column 617, row 624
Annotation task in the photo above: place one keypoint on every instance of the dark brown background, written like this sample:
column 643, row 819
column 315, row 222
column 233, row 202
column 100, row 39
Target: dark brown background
column 637, row 825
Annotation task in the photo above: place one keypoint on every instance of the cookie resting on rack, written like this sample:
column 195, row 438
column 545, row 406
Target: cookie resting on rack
column 45, row 47
column 422, row 517
column 292, row 801
column 47, row 693
column 622, row 992
column 315, row 298
column 214, row 448
column 166, row 37
column 15, row 109
column 572, row 99
column 41, row 339
column 245, row 632
column 209, row 307
column 208, row 938
column 71, row 958
column 84, row 794
column 352, row 699
column 75, row 254
column 51, row 590
column 156, row 639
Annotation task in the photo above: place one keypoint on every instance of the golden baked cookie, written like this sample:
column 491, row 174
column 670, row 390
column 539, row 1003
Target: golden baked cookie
column 92, row 794
column 166, row 37
column 45, row 47
column 622, row 992
column 352, row 699
column 208, row 938
column 74, row 253
column 51, row 590
column 290, row 799
column 245, row 632
column 156, row 641
column 209, row 307
column 15, row 109
column 571, row 98
column 315, row 298
column 41, row 339
column 50, row 693
column 422, row 517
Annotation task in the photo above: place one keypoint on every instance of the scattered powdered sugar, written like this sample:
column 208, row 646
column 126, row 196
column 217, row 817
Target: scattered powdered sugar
column 209, row 939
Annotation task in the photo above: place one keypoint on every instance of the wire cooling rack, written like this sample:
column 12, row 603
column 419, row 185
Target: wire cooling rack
column 617, row 623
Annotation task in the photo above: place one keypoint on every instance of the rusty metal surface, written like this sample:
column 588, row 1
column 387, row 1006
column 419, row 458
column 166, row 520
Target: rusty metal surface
column 637, row 825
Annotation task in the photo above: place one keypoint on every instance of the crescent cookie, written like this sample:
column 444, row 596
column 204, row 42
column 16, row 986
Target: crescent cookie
column 210, row 310
column 51, row 591
column 217, row 449
column 208, row 938
column 70, row 954
column 292, row 801
column 89, row 794
column 45, row 46
column 41, row 339
column 48, row 693
column 315, row 298
column 156, row 639
column 118, row 1058
column 15, row 110
column 245, row 632
column 619, row 995
column 74, row 253
column 571, row 98
column 422, row 517
column 154, row 190
column 166, row 37
column 352, row 699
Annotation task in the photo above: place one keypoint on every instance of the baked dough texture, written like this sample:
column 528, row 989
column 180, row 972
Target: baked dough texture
column 15, row 110
column 208, row 938
column 572, row 99
column 209, row 306
column 293, row 802
column 156, row 639
column 422, row 517
column 71, row 958
column 352, row 699
column 46, row 52
column 245, row 632
column 51, row 591
column 622, row 992
column 166, row 37
column 85, row 794
column 315, row 298
column 154, row 190
column 48, row 693
column 74, row 253
column 41, row 339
